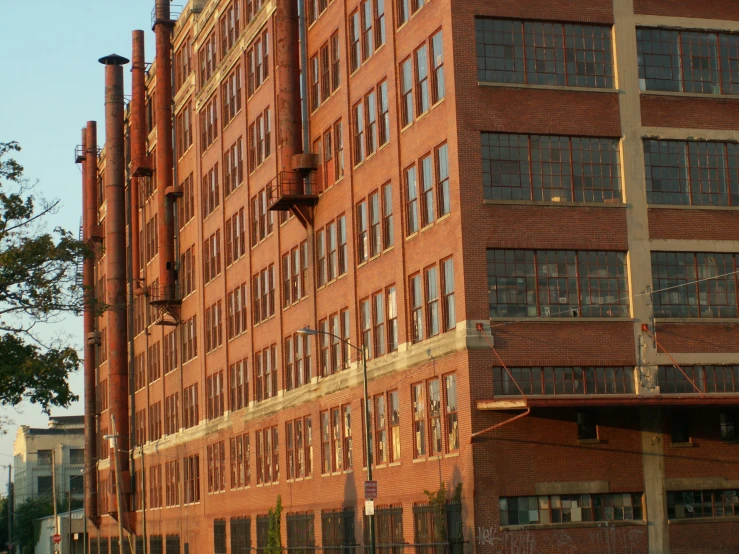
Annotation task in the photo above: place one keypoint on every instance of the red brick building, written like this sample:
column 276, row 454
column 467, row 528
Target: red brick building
column 525, row 212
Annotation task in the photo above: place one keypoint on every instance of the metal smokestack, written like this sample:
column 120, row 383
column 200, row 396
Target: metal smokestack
column 90, row 232
column 115, row 244
column 164, row 153
column 140, row 161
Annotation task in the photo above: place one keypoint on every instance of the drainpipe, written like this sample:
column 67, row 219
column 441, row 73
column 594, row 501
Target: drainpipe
column 90, row 231
column 115, row 242
column 304, row 76
column 164, row 153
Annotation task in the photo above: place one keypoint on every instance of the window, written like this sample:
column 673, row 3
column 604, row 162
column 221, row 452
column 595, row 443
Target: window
column 231, row 94
column 155, row 487
column 386, row 428
column 171, row 414
column 411, row 188
column 190, row 415
column 370, row 104
column 155, row 421
column 172, row 484
column 550, row 168
column 212, row 256
column 566, row 380
column 406, row 92
column 139, row 376
column 338, row 531
column 708, row 379
column 315, row 83
column 587, row 427
column 190, row 348
column 388, row 529
column 438, row 524
column 140, row 432
column 439, row 416
column 335, row 62
column 151, row 237
column 692, row 504
column 216, row 395
column 334, row 354
column 443, row 199
column 44, row 484
column 238, row 379
column 728, row 426
column 427, row 191
column 265, row 372
column 355, row 51
column 679, row 427
column 383, row 108
column 262, row 222
column 183, row 63
column 233, row 167
column 191, row 479
column 299, row 444
column 216, row 467
column 294, row 270
column 262, row 533
column 240, row 461
column 240, row 535
column 368, row 45
column 688, row 61
column 416, row 308
column 237, row 317
column 447, row 285
column 422, row 83
column 557, row 283
column 431, row 286
column 259, row 140
column 263, row 294
column 694, row 173
column 208, row 58
column 76, row 456
column 336, row 439
column 338, row 151
column 208, row 124
column 300, row 538
column 298, row 370
column 268, row 469
column 379, row 23
column 219, row 536
column 359, row 139
column 331, row 251
column 542, row 53
column 694, row 285
column 437, row 68
column 257, row 56
column 362, row 233
column 170, row 348
column 230, row 30
column 152, row 362
column 523, row 510
column 404, row 11
column 184, row 129
column 186, row 204
column 213, row 326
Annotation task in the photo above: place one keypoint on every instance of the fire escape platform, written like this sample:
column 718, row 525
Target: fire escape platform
column 566, row 401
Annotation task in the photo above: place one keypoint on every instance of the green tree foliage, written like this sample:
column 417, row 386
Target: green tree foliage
column 37, row 286
column 26, row 530
column 4, row 515
column 274, row 536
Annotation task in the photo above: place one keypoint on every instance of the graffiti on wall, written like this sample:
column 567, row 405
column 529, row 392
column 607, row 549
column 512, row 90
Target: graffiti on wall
column 603, row 540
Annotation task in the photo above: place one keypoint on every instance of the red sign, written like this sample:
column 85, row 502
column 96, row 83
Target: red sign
column 370, row 490
column 56, row 538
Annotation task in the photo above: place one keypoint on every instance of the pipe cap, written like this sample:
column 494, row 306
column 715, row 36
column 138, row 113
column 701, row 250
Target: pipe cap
column 113, row 59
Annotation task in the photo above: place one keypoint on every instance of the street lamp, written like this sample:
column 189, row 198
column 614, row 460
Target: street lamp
column 368, row 433
column 114, row 439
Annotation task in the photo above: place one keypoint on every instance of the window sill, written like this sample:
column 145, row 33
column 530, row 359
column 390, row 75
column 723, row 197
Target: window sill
column 682, row 445
column 550, row 319
column 692, row 207
column 550, row 87
column 689, row 94
column 590, row 441
column 688, row 521
column 707, row 320
column 572, row 525
column 549, row 203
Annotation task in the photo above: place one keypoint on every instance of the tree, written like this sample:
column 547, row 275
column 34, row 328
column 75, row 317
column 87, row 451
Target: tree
column 37, row 286
column 26, row 529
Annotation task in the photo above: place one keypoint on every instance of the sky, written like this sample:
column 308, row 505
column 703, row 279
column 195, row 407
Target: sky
column 50, row 85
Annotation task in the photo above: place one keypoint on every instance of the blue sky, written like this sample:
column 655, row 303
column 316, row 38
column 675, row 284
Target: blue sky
column 50, row 85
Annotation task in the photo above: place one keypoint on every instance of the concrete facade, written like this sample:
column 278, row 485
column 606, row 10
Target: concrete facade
column 633, row 457
column 32, row 458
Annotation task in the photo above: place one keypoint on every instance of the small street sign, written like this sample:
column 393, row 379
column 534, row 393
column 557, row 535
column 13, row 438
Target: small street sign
column 370, row 490
column 369, row 507
column 57, row 538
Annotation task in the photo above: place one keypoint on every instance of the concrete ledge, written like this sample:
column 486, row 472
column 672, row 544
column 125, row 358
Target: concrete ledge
column 574, row 525
column 572, row 487
column 701, row 483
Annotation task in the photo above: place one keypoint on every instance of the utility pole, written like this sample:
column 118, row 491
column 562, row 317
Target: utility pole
column 143, row 495
column 119, row 503
column 53, row 489
column 10, row 511
column 69, row 521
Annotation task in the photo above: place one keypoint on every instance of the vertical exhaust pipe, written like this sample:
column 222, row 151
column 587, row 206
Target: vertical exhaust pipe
column 140, row 161
column 115, row 243
column 90, row 233
column 287, row 62
column 164, row 153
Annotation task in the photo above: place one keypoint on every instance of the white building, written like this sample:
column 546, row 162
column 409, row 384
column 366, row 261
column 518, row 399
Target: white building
column 36, row 450
column 71, row 529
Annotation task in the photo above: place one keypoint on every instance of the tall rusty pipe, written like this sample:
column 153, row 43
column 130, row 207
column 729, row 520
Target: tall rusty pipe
column 287, row 62
column 89, row 230
column 115, row 244
column 164, row 152
column 138, row 143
